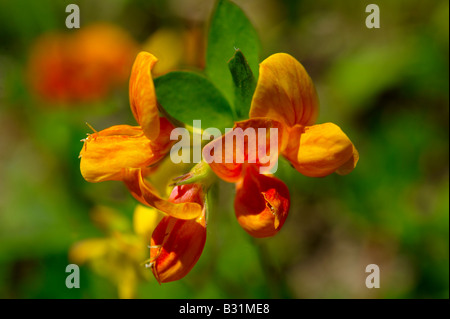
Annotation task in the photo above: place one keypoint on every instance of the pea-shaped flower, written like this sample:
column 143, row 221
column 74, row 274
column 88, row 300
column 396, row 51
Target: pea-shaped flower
column 128, row 153
column 176, row 244
column 284, row 100
column 286, row 93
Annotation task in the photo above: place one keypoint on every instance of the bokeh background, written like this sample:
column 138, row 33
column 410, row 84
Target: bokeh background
column 387, row 88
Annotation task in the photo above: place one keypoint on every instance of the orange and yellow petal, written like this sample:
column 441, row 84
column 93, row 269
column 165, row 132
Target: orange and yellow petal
column 285, row 92
column 319, row 150
column 143, row 101
column 106, row 154
column 249, row 141
column 261, row 204
column 148, row 195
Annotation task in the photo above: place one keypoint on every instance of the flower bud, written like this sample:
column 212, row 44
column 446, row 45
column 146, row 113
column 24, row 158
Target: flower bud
column 261, row 204
column 177, row 244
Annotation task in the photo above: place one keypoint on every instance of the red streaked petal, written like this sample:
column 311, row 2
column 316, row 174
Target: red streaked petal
column 246, row 144
column 176, row 246
column 143, row 101
column 261, row 204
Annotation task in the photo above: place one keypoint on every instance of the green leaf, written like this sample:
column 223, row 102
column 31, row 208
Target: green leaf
column 188, row 96
column 229, row 30
column 244, row 84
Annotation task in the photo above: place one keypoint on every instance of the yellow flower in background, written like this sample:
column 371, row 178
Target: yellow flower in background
column 81, row 66
column 168, row 45
column 145, row 220
column 119, row 255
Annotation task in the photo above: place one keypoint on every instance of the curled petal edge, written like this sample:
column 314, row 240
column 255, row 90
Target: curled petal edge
column 142, row 95
column 147, row 195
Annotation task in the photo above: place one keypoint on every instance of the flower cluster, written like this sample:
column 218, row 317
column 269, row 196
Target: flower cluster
column 284, row 98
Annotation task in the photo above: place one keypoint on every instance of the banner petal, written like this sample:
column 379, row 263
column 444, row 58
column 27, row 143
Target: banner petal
column 285, row 92
column 143, row 101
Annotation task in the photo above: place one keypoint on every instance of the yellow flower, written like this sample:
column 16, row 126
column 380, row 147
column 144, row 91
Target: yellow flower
column 176, row 48
column 118, row 256
column 145, row 220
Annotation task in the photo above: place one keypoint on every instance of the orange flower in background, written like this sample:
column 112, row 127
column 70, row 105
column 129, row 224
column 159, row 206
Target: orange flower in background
column 80, row 66
column 177, row 244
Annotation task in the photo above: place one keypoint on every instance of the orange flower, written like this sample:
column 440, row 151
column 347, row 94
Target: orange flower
column 285, row 99
column 177, row 244
column 107, row 154
column 124, row 153
column 261, row 204
column 285, row 93
column 81, row 66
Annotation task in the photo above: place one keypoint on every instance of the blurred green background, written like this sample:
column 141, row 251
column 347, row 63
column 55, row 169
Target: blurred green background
column 387, row 88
